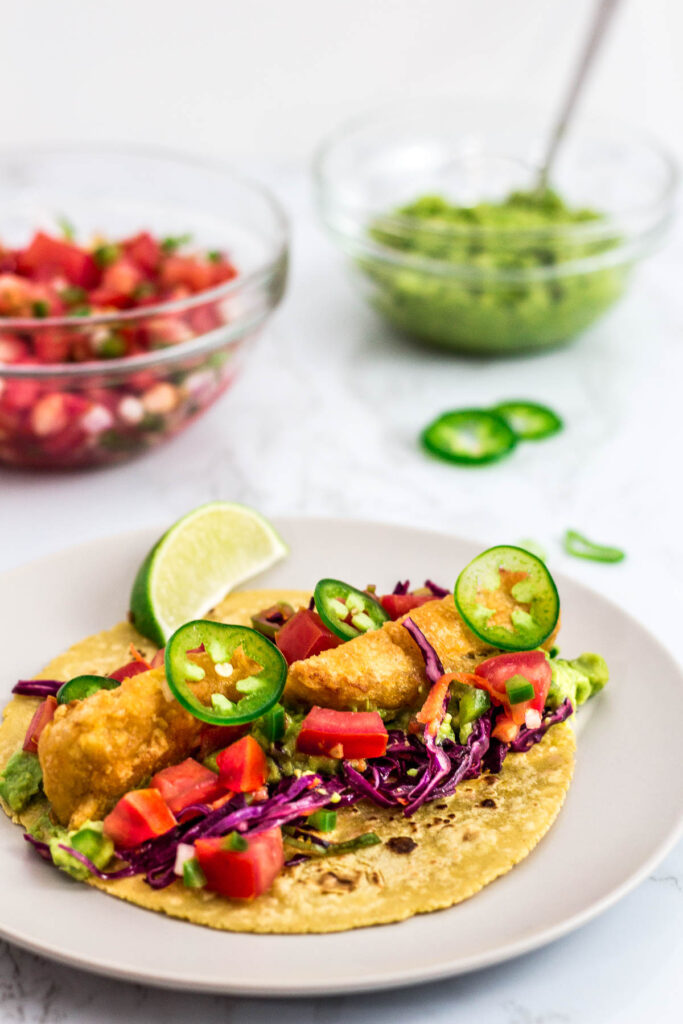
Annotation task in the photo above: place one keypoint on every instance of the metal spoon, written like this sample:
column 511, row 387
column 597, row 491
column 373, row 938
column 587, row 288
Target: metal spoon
column 603, row 13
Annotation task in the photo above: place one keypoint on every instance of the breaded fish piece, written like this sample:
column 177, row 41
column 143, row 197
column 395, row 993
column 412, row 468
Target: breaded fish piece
column 96, row 749
column 384, row 668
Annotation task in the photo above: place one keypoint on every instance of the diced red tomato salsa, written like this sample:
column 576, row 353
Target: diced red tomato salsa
column 87, row 420
column 304, row 635
column 396, row 605
column 139, row 815
column 347, row 734
column 187, row 783
column 241, row 874
column 242, row 766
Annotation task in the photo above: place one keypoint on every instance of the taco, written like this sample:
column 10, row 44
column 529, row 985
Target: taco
column 304, row 764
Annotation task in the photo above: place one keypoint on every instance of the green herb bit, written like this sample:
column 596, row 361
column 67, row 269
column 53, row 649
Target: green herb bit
column 323, row 821
column 581, row 547
column 172, row 243
column 67, row 228
column 193, row 876
column 106, row 254
column 40, row 308
column 72, row 295
column 214, row 256
column 234, row 841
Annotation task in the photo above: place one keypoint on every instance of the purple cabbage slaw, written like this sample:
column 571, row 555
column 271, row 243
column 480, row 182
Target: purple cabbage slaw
column 437, row 591
column 37, row 687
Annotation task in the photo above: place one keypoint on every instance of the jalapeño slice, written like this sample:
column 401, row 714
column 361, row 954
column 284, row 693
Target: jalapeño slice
column 81, row 687
column 508, row 598
column 346, row 611
column 529, row 420
column 581, row 547
column 470, row 437
column 249, row 697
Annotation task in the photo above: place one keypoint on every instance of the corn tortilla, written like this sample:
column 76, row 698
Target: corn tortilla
column 443, row 854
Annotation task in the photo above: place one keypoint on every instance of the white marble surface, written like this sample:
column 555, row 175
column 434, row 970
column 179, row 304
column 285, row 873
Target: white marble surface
column 323, row 422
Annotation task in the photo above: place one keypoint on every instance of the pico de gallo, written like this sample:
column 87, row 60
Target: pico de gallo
column 64, row 304
column 264, row 774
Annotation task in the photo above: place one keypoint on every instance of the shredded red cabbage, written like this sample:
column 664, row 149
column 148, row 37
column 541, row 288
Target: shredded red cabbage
column 401, row 588
column 37, row 687
column 433, row 666
column 526, row 738
column 436, row 590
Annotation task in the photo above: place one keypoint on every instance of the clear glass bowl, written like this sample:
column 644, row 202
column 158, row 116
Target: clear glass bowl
column 62, row 415
column 479, row 289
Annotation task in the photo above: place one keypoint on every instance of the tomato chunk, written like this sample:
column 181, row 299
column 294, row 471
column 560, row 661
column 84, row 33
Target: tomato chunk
column 304, row 635
column 139, row 815
column 241, row 874
column 533, row 665
column 133, row 668
column 187, row 783
column 216, row 737
column 242, row 766
column 42, row 716
column 143, row 250
column 396, row 605
column 48, row 257
column 348, row 734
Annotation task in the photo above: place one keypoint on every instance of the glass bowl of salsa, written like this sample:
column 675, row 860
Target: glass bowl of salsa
column 437, row 207
column 132, row 285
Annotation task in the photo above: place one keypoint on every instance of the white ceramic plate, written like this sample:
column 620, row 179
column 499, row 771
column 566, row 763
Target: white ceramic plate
column 623, row 812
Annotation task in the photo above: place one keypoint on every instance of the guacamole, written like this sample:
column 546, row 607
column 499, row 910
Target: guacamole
column 21, row 779
column 487, row 296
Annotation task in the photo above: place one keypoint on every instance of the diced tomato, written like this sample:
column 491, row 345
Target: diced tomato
column 222, row 271
column 12, row 349
column 51, row 346
column 144, row 251
column 396, row 605
column 242, row 766
column 42, row 716
column 139, row 815
column 533, row 665
column 241, row 874
column 187, row 783
column 216, row 737
column 348, row 734
column 304, row 636
column 48, row 257
column 187, row 270
column 133, row 668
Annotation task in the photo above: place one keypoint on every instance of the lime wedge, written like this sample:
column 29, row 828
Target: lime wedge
column 197, row 562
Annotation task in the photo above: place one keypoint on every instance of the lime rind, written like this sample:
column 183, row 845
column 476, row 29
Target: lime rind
column 203, row 556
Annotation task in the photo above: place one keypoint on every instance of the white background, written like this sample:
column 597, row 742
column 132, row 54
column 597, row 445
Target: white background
column 269, row 77
column 324, row 419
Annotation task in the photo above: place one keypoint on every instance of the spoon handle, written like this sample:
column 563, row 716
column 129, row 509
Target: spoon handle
column 601, row 20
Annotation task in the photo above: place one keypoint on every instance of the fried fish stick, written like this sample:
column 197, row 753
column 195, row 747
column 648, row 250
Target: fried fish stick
column 384, row 668
column 95, row 750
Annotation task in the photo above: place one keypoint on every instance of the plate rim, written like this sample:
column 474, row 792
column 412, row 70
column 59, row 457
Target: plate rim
column 383, row 981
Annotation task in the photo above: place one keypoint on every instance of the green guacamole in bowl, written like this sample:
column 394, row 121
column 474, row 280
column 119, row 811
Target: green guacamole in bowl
column 498, row 277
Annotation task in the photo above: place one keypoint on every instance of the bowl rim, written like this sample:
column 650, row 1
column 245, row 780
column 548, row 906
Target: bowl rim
column 590, row 128
column 261, row 274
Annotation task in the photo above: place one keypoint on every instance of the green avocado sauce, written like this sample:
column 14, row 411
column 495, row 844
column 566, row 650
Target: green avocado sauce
column 21, row 780
column 474, row 309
